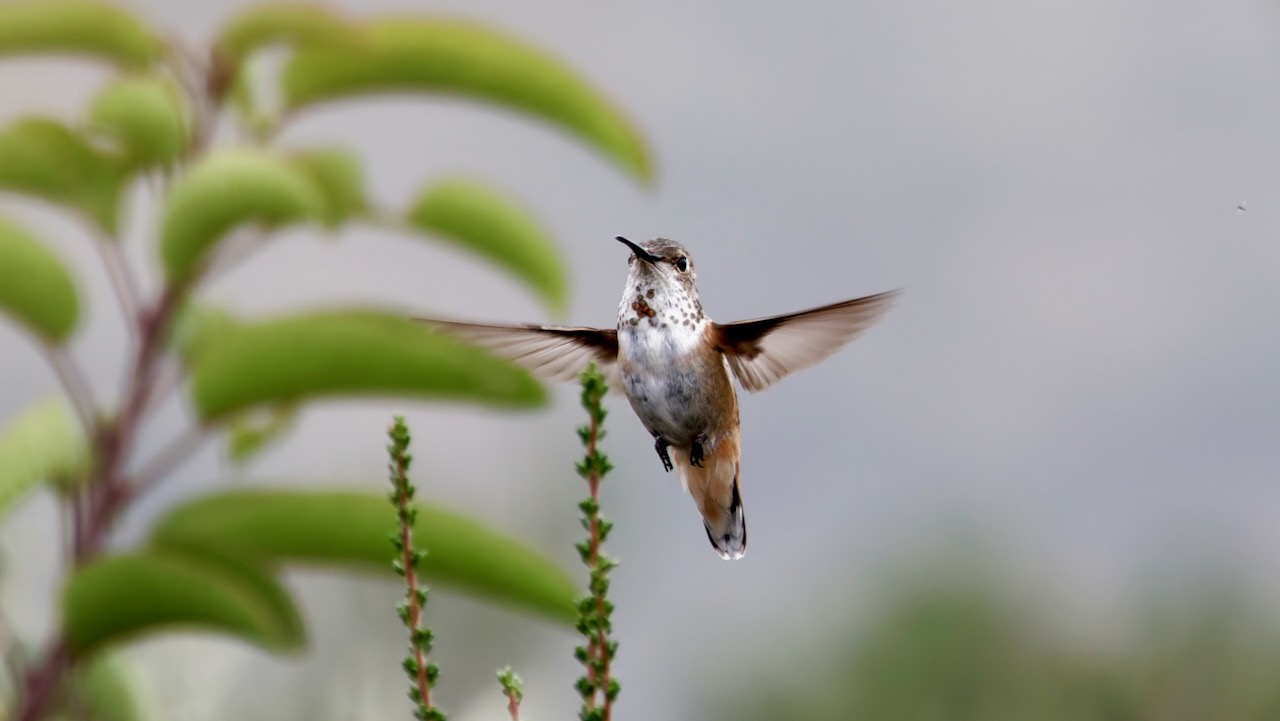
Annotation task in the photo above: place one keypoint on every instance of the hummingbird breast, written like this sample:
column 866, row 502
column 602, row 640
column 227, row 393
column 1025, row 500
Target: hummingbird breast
column 676, row 380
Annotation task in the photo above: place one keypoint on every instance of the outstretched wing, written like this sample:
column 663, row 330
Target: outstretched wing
column 763, row 351
column 552, row 352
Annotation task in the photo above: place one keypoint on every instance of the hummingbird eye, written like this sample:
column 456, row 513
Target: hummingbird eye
column 682, row 264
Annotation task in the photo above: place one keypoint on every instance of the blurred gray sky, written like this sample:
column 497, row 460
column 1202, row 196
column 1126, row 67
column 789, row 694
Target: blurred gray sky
column 1082, row 371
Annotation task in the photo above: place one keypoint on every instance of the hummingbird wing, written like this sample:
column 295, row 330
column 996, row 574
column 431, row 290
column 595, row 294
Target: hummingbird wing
column 553, row 352
column 763, row 351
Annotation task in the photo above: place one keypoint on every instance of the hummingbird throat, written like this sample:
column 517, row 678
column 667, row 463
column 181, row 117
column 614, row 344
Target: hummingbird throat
column 650, row 306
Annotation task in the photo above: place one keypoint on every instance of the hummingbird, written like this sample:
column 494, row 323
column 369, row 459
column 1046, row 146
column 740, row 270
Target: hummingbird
column 676, row 365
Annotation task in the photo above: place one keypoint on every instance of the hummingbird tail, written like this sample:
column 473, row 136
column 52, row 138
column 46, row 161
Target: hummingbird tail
column 713, row 483
column 730, row 539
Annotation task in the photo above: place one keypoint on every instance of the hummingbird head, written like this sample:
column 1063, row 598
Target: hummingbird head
column 661, row 262
column 660, row 284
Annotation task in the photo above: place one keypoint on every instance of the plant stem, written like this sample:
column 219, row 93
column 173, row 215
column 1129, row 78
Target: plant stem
column 513, row 689
column 597, row 688
column 415, row 609
column 106, row 493
column 107, row 489
column 420, row 670
column 597, row 647
column 42, row 681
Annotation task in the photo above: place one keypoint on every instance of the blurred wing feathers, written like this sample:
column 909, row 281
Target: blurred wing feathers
column 763, row 351
column 551, row 352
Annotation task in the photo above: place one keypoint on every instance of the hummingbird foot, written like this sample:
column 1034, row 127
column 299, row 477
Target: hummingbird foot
column 660, row 445
column 695, row 452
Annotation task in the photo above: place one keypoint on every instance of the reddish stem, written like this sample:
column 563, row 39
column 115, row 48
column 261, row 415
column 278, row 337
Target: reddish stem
column 411, row 579
column 513, row 706
column 597, row 647
column 106, row 494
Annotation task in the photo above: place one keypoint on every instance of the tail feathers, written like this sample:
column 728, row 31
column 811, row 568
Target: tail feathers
column 729, row 538
column 713, row 484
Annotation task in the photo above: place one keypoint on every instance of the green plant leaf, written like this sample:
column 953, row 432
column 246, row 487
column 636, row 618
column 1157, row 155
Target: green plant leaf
column 351, row 529
column 225, row 190
column 43, row 443
column 76, row 27
column 104, row 690
column 337, row 177
column 251, row 433
column 200, row 328
column 349, row 353
column 44, row 158
column 35, row 288
column 289, row 23
column 478, row 218
column 445, row 56
column 119, row 598
column 146, row 116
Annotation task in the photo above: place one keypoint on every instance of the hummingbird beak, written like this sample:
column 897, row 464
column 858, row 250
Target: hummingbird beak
column 640, row 253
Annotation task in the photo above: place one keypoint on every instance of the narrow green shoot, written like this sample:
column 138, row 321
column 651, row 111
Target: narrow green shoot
column 513, row 689
column 597, row 688
column 422, row 674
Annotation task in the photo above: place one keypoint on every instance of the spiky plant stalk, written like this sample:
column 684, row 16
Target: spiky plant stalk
column 597, row 688
column 422, row 673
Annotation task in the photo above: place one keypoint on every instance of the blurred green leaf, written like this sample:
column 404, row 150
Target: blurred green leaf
column 119, row 598
column 145, row 115
column 199, row 328
column 103, row 691
column 225, row 190
column 406, row 54
column 76, row 27
column 249, row 434
column 44, row 158
column 35, row 288
column 291, row 23
column 478, row 218
column 43, row 443
column 337, row 177
column 351, row 529
column 347, row 353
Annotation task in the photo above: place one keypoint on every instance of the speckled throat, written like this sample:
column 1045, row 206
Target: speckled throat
column 660, row 292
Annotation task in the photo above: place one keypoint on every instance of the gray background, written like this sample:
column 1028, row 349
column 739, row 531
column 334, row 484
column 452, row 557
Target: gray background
column 1080, row 379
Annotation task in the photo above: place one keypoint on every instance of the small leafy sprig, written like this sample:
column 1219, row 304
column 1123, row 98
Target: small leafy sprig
column 597, row 688
column 513, row 689
column 422, row 674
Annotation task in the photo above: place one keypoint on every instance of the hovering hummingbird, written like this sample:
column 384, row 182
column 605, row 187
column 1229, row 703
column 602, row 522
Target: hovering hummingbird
column 674, row 364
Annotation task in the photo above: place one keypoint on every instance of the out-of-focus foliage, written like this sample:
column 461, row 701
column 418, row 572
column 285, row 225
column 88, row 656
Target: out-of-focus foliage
column 119, row 598
column 473, row 216
column 407, row 54
column 337, row 177
column 225, row 190
column 155, row 126
column 76, row 27
column 964, row 652
column 103, row 690
column 285, row 23
column 350, row 353
column 349, row 530
column 44, row 443
column 145, row 115
column 45, row 159
column 35, row 287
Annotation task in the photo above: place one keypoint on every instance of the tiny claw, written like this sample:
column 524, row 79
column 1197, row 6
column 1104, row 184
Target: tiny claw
column 695, row 452
column 660, row 445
